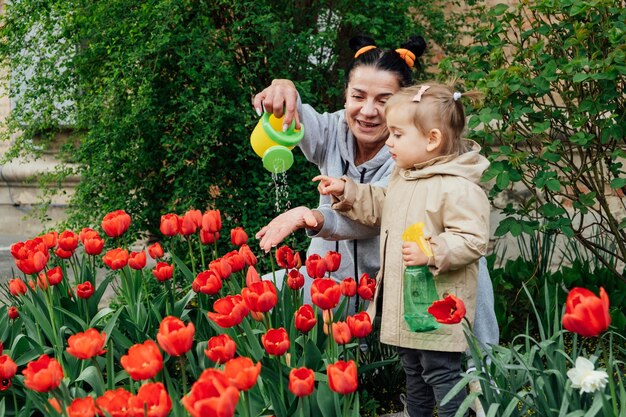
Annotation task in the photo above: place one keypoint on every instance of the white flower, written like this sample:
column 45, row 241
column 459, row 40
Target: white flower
column 583, row 376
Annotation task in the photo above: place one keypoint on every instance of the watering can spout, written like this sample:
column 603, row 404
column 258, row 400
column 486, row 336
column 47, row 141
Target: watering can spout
column 273, row 145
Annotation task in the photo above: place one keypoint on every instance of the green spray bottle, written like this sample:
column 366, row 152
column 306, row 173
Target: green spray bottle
column 419, row 285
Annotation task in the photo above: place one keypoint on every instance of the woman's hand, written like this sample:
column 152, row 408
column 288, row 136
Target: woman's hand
column 280, row 97
column 412, row 255
column 330, row 185
column 285, row 224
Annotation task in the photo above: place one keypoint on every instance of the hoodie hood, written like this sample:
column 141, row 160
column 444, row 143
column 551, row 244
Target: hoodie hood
column 470, row 165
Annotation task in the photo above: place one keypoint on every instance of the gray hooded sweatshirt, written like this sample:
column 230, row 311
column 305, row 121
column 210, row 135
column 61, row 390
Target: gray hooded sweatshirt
column 329, row 144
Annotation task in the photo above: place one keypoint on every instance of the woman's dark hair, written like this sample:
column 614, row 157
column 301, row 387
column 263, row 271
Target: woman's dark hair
column 386, row 59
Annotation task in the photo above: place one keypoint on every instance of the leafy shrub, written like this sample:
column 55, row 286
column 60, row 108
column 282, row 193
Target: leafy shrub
column 553, row 121
column 158, row 93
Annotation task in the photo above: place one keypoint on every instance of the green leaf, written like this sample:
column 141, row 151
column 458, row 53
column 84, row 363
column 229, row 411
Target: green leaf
column 618, row 183
column 498, row 9
column 588, row 199
column 502, row 180
column 92, row 376
column 541, row 127
column 581, row 76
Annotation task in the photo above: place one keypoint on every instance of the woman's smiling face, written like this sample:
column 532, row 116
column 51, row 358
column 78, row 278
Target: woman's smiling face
column 366, row 95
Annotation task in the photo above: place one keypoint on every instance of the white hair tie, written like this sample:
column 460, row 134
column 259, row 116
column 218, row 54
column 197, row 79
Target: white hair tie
column 456, row 96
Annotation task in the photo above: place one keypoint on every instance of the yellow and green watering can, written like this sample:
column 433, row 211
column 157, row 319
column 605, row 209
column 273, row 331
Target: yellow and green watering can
column 273, row 145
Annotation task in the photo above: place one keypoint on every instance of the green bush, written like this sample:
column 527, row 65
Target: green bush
column 158, row 94
column 554, row 74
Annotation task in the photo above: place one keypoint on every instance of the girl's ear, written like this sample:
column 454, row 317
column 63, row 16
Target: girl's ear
column 435, row 140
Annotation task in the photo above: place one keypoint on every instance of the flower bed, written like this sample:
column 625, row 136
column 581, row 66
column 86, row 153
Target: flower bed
column 215, row 342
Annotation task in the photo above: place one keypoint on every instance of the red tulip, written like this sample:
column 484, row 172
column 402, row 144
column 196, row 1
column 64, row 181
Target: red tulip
column 222, row 267
column 207, row 282
column 276, row 341
column 63, row 254
column 367, row 287
column 325, row 293
column 341, row 332
column 8, row 369
column 315, row 266
column 163, row 271
column 153, row 398
column 190, row 222
column 301, row 381
column 87, row 233
column 86, row 345
column 137, row 260
column 54, row 403
column 55, row 275
column 242, row 372
column 286, row 258
column 43, row 374
column 116, row 258
column 174, row 337
column 260, row 297
column 155, row 250
column 115, row 223
column 208, row 238
column 212, row 395
column 170, row 224
column 221, row 348
column 235, row 260
column 348, row 287
column 30, row 256
column 342, row 377
column 17, row 287
column 305, row 318
column 586, row 313
column 143, row 361
column 333, row 260
column 248, row 256
column 82, row 407
column 115, row 402
column 229, row 311
column 450, row 310
column 13, row 313
column 68, row 241
column 360, row 324
column 93, row 245
column 212, row 221
column 252, row 276
column 295, row 280
column 50, row 239
column 84, row 290
column 238, row 236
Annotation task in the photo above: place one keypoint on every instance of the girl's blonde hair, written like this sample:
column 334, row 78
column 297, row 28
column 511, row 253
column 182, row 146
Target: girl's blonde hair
column 436, row 106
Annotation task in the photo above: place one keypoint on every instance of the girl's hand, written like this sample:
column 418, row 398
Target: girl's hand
column 412, row 255
column 330, row 185
column 281, row 97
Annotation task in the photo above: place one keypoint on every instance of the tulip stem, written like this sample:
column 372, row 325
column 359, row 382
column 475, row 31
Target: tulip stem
column 201, row 254
column 169, row 307
column 346, row 405
column 109, row 365
column 301, row 406
column 246, row 404
column 193, row 261
column 280, row 377
column 608, row 359
column 100, row 389
column 181, row 360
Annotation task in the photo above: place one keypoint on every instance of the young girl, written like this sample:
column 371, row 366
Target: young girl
column 435, row 182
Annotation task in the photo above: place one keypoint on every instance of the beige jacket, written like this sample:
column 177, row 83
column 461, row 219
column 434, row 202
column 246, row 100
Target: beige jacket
column 445, row 195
